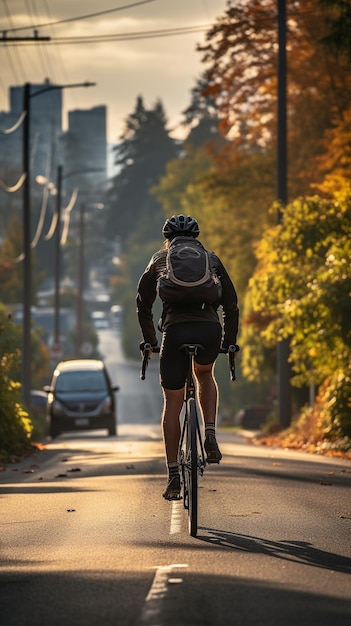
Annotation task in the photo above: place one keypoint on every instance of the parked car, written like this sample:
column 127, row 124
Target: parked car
column 100, row 320
column 252, row 417
column 38, row 401
column 116, row 315
column 81, row 397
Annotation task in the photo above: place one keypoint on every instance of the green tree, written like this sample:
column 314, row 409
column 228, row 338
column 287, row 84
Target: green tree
column 11, row 265
column 11, row 269
column 301, row 291
column 201, row 118
column 141, row 157
column 15, row 425
column 229, row 195
column 180, row 174
column 11, row 340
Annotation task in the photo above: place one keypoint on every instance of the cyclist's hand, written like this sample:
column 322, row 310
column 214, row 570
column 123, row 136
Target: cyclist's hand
column 233, row 348
column 236, row 351
column 146, row 347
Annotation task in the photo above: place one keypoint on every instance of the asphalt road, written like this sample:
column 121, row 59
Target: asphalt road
column 86, row 538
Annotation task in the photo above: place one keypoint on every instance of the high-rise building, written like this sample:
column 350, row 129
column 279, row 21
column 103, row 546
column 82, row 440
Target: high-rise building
column 45, row 127
column 85, row 145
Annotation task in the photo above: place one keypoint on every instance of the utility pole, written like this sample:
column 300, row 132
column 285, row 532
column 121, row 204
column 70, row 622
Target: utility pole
column 57, row 336
column 27, row 265
column 80, row 290
column 283, row 368
column 57, row 258
column 27, row 269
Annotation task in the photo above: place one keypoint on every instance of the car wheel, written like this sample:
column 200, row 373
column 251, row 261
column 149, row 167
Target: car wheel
column 112, row 430
column 54, row 432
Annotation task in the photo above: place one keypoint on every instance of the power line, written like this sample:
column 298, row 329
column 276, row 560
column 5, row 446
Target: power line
column 16, row 125
column 85, row 17
column 8, row 52
column 33, row 16
column 139, row 35
column 15, row 187
column 44, row 203
column 58, row 50
column 152, row 34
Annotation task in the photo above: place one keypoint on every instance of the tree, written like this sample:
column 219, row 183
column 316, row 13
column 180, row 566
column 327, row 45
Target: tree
column 202, row 118
column 229, row 195
column 11, row 279
column 301, row 291
column 11, row 341
column 241, row 54
column 141, row 157
column 179, row 175
column 335, row 163
column 11, row 265
column 338, row 38
column 15, row 425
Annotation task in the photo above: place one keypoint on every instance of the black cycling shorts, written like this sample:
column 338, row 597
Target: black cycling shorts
column 174, row 362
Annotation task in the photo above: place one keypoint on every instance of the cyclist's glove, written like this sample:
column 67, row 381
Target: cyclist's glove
column 226, row 347
column 144, row 343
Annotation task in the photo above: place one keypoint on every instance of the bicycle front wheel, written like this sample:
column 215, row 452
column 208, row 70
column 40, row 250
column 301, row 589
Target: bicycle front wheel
column 193, row 466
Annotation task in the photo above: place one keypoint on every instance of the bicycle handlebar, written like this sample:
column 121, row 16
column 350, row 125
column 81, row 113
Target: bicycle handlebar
column 145, row 361
column 230, row 351
column 231, row 358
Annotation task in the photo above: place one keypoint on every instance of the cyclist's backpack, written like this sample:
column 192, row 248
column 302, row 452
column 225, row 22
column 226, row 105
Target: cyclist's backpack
column 189, row 277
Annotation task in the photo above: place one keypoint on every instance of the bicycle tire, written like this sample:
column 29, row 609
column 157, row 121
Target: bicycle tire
column 194, row 473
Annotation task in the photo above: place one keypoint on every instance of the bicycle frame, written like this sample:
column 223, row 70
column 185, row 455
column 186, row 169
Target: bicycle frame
column 191, row 455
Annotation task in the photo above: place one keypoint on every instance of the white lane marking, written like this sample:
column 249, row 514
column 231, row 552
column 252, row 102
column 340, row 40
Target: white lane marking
column 151, row 615
column 176, row 517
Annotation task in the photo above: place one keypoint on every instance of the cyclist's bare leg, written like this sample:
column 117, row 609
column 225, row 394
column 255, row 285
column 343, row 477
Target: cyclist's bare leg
column 208, row 392
column 173, row 403
column 208, row 398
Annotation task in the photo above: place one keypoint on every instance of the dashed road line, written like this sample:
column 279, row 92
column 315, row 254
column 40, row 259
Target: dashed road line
column 151, row 615
column 176, row 517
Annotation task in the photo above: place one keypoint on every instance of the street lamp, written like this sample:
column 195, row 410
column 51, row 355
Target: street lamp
column 57, row 190
column 60, row 178
column 55, row 229
column 42, row 180
column 27, row 277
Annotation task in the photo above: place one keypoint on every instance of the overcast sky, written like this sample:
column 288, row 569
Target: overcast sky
column 163, row 68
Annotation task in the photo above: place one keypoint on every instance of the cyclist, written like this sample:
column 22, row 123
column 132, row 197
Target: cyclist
column 180, row 324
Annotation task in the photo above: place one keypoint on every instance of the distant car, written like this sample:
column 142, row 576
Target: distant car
column 100, row 320
column 38, row 401
column 116, row 315
column 101, row 324
column 252, row 417
column 81, row 397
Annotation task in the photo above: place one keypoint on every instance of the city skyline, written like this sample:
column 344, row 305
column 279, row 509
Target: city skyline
column 162, row 68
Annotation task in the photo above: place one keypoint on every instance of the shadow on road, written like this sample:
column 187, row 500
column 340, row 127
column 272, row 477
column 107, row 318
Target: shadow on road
column 300, row 552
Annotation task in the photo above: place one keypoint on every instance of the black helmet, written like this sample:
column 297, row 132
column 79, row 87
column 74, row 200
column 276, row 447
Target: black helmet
column 180, row 225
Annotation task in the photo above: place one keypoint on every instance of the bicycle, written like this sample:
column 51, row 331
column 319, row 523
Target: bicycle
column 191, row 454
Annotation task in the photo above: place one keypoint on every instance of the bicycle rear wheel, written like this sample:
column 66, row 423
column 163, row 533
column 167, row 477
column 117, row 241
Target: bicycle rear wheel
column 193, row 475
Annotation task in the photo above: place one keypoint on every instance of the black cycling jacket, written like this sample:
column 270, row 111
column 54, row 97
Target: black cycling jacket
column 147, row 293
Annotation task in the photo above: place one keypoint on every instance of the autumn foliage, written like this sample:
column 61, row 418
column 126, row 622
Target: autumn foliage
column 293, row 279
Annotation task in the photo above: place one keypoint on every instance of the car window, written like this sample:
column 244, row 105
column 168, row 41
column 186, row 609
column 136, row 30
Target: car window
column 81, row 381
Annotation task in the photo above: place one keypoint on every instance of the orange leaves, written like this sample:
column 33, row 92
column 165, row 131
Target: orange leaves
column 241, row 59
